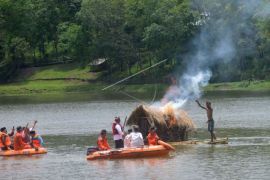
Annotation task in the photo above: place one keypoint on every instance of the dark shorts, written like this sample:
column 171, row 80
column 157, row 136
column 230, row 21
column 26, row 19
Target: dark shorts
column 211, row 124
column 119, row 143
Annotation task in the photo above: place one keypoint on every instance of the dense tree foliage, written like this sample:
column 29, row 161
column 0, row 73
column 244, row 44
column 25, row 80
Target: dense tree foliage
column 131, row 34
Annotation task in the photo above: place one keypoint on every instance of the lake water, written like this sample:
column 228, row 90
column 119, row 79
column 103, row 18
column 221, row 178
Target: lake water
column 71, row 124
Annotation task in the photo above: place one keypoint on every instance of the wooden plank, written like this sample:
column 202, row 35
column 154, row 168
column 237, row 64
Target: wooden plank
column 191, row 142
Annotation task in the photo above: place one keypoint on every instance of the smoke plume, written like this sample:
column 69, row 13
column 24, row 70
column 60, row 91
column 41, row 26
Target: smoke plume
column 222, row 24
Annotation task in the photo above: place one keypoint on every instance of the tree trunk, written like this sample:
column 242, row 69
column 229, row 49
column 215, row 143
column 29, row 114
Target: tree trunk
column 34, row 56
column 56, row 48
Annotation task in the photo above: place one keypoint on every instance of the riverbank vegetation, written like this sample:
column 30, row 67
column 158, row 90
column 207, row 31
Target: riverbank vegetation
column 77, row 86
column 129, row 34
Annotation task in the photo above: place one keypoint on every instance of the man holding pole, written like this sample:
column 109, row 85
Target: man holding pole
column 118, row 133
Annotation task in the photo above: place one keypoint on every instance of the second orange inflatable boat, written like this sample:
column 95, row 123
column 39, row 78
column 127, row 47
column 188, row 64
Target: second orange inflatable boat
column 23, row 152
column 146, row 151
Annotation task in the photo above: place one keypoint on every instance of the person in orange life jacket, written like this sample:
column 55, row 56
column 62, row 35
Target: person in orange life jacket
column 5, row 142
column 102, row 142
column 26, row 132
column 19, row 144
column 118, row 133
column 152, row 137
column 36, row 140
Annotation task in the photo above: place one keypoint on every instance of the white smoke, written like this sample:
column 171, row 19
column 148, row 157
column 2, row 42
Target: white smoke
column 222, row 24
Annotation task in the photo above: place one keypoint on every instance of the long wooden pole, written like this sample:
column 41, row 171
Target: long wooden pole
column 118, row 82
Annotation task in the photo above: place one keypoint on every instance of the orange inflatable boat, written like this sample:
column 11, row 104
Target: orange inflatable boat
column 23, row 152
column 146, row 151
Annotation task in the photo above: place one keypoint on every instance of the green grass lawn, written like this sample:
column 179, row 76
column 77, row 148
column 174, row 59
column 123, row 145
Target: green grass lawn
column 63, row 71
column 69, row 78
column 69, row 86
column 239, row 86
column 73, row 86
column 41, row 87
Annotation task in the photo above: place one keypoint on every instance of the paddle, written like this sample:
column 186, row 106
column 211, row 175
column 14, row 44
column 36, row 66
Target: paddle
column 124, row 123
column 34, row 125
column 166, row 145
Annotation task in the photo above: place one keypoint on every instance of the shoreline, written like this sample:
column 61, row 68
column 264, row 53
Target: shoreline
column 61, row 87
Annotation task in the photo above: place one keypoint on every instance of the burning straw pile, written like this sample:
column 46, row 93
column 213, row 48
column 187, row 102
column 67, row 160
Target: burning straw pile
column 172, row 124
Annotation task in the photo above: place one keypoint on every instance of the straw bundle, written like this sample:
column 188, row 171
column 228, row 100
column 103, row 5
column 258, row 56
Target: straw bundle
column 171, row 124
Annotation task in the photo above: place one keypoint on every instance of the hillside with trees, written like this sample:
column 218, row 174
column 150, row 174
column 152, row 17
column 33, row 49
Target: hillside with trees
column 129, row 34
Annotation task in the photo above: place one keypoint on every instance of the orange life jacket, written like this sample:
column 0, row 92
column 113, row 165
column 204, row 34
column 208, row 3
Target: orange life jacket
column 152, row 139
column 36, row 142
column 7, row 140
column 18, row 142
column 102, row 144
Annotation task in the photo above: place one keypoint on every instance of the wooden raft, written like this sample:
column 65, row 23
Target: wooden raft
column 190, row 142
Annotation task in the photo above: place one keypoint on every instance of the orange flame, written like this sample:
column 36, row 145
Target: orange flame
column 169, row 112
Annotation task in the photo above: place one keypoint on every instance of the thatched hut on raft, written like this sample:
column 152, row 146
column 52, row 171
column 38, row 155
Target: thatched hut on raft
column 171, row 124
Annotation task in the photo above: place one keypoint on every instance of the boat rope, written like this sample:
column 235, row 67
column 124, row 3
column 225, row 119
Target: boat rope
column 155, row 95
column 137, row 99
column 118, row 82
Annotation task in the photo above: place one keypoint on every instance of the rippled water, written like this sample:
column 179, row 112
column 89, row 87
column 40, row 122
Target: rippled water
column 70, row 127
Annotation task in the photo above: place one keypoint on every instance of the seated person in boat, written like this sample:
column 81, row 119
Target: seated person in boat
column 152, row 137
column 127, row 139
column 36, row 140
column 5, row 142
column 136, row 138
column 209, row 112
column 19, row 144
column 102, row 142
column 26, row 132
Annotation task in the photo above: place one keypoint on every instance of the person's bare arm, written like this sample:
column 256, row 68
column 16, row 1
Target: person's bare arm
column 12, row 132
column 200, row 105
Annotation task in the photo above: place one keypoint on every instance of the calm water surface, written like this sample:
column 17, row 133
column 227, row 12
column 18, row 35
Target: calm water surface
column 71, row 126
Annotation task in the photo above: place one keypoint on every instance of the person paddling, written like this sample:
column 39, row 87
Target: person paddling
column 117, row 130
column 209, row 111
column 19, row 144
column 5, row 142
column 102, row 142
column 26, row 132
column 36, row 140
column 152, row 137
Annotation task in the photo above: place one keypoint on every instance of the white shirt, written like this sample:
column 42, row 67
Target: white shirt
column 120, row 133
column 136, row 139
column 127, row 141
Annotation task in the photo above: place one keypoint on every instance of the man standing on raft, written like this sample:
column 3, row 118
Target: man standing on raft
column 117, row 130
column 210, row 121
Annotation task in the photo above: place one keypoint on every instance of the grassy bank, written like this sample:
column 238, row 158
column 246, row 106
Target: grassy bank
column 240, row 86
column 68, row 86
column 70, row 78
column 75, row 86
